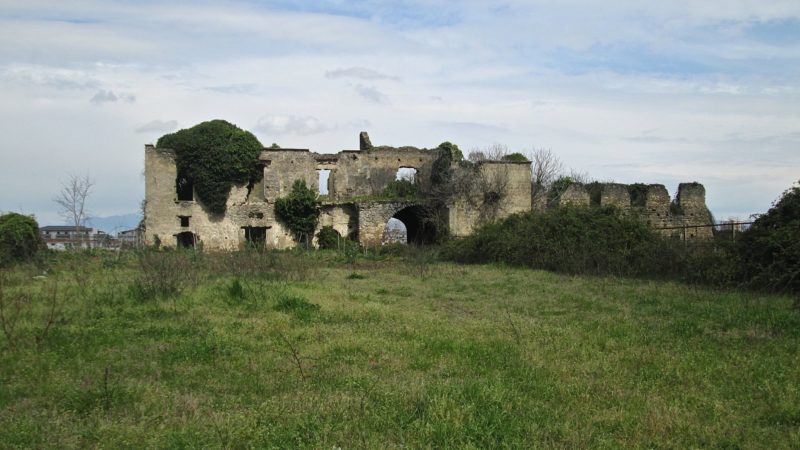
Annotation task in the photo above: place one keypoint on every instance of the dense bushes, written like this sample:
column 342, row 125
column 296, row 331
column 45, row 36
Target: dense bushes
column 604, row 241
column 770, row 249
column 19, row 238
column 215, row 155
column 327, row 238
column 569, row 239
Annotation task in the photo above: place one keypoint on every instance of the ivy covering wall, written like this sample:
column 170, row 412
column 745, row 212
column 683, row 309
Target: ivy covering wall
column 215, row 155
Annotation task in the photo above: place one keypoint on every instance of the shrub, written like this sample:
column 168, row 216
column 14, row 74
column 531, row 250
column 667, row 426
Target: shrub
column 770, row 248
column 515, row 157
column 296, row 306
column 162, row 275
column 638, row 193
column 215, row 155
column 327, row 238
column 568, row 239
column 299, row 210
column 19, row 238
column 401, row 189
column 559, row 187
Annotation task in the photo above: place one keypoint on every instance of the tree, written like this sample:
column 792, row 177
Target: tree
column 299, row 210
column 19, row 238
column 546, row 168
column 72, row 199
column 770, row 248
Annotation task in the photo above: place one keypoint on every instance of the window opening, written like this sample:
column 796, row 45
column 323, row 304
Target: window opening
column 184, row 188
column 324, row 181
column 406, row 173
column 255, row 236
column 187, row 239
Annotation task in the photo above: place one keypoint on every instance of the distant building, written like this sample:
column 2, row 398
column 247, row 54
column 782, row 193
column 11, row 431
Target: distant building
column 62, row 237
column 131, row 238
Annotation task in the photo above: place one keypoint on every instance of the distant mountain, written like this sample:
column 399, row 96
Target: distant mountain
column 114, row 224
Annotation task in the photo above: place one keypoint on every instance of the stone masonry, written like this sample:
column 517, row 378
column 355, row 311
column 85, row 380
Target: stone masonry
column 352, row 205
column 354, row 208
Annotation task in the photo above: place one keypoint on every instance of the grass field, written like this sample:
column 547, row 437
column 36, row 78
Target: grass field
column 292, row 351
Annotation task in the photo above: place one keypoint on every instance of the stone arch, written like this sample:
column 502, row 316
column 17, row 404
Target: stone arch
column 420, row 229
column 373, row 218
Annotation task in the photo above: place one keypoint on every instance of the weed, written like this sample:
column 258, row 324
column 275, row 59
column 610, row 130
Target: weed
column 297, row 307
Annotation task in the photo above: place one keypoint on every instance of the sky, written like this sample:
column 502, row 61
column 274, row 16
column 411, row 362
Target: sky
column 622, row 90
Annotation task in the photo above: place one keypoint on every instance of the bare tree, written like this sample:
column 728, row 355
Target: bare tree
column 546, row 169
column 494, row 152
column 72, row 199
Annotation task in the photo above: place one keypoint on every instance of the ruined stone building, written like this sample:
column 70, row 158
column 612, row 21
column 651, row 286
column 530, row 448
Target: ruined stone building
column 349, row 184
column 687, row 216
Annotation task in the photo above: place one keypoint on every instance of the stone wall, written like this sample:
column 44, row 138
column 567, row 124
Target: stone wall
column 512, row 178
column 682, row 216
column 353, row 206
column 357, row 180
column 575, row 195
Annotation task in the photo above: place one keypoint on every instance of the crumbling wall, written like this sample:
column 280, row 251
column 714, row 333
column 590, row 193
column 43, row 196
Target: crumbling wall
column 372, row 219
column 575, row 194
column 656, row 207
column 512, row 180
column 617, row 195
column 691, row 206
column 163, row 211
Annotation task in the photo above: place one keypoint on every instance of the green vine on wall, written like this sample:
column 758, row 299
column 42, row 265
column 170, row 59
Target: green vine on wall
column 215, row 155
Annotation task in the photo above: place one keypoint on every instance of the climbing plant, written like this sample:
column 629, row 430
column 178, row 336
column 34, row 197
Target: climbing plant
column 215, row 155
column 299, row 210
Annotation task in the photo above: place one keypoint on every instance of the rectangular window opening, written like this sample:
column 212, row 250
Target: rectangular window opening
column 255, row 236
column 184, row 188
column 324, row 181
column 184, row 220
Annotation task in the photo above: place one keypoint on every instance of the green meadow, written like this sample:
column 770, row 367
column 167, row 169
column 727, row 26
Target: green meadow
column 321, row 350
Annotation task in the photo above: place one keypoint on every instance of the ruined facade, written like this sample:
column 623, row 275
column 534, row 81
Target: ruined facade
column 351, row 201
column 687, row 216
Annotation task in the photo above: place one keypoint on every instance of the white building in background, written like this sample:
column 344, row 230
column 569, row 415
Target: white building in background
column 62, row 237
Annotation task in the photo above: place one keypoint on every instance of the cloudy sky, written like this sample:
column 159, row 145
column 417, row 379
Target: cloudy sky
column 625, row 90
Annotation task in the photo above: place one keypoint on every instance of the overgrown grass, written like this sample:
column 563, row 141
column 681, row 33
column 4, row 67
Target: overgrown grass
column 291, row 350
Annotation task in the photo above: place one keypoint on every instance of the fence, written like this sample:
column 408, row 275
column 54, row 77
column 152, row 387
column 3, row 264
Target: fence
column 721, row 229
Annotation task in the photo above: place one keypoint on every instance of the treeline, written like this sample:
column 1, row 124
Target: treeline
column 603, row 241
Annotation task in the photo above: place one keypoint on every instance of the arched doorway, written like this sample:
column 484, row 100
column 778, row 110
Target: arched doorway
column 419, row 228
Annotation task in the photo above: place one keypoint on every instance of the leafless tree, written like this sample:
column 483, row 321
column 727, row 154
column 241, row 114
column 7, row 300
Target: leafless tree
column 546, row 169
column 494, row 152
column 72, row 199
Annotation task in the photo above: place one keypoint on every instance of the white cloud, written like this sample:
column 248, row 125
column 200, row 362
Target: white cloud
column 157, row 126
column 288, row 124
column 104, row 96
column 658, row 92
column 371, row 94
column 360, row 73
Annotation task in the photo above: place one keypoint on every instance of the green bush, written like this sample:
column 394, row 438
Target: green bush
column 515, row 157
column 299, row 210
column 770, row 248
column 568, row 239
column 215, row 155
column 401, row 189
column 19, row 238
column 327, row 238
